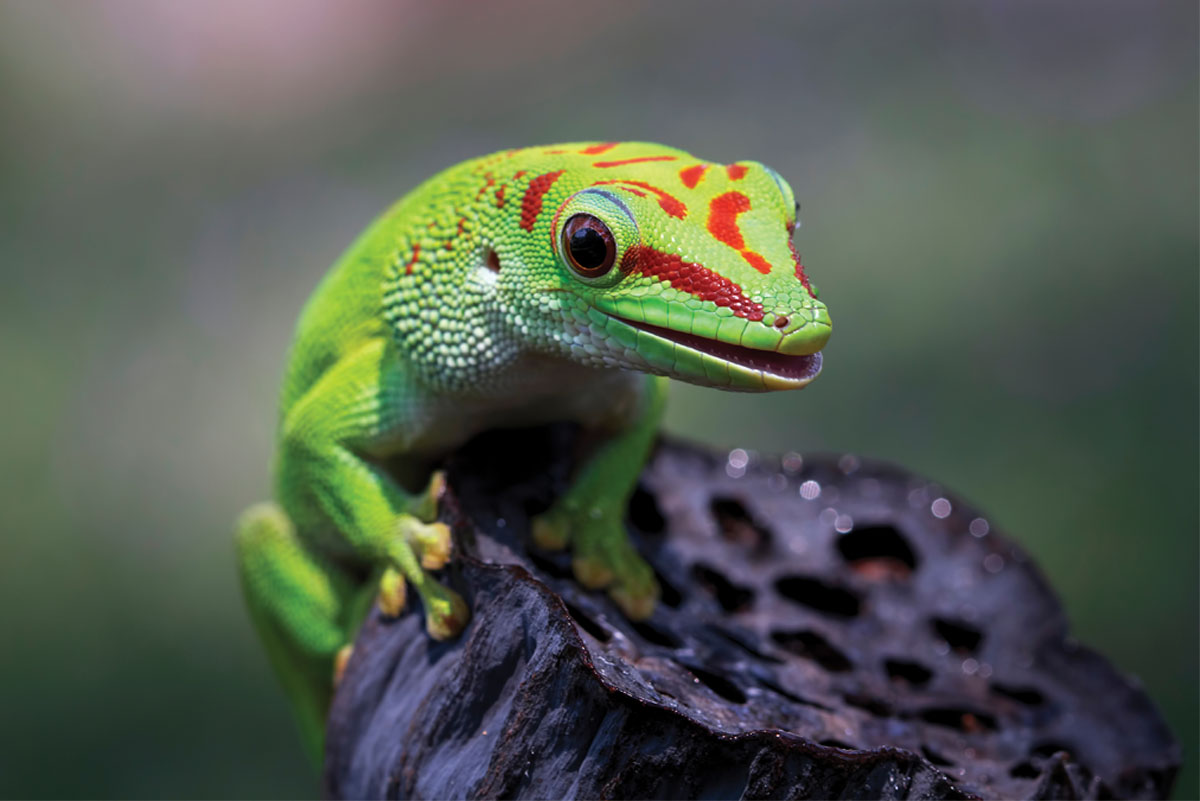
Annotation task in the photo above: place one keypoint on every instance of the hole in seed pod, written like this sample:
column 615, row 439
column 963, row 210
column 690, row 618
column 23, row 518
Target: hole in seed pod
column 719, row 685
column 536, row 506
column 875, row 706
column 644, row 512
column 737, row 525
column 814, row 647
column 652, row 633
column 730, row 596
column 1024, row 770
column 959, row 719
column 877, row 553
column 737, row 640
column 816, row 594
column 1022, row 695
column 909, row 672
column 667, row 593
column 958, row 635
column 791, row 696
column 587, row 624
column 558, row 568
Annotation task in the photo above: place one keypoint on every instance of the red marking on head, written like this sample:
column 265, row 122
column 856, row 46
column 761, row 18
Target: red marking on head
column 669, row 203
column 632, row 161
column 555, row 152
column 736, row 172
column 517, row 175
column 596, row 150
column 531, row 204
column 408, row 268
column 757, row 261
column 694, row 279
column 799, row 267
column 723, row 212
column 500, row 196
column 692, row 175
column 781, row 321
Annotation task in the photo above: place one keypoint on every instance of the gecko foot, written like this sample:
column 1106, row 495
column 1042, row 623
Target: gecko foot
column 607, row 559
column 419, row 548
column 432, row 543
column 446, row 613
column 603, row 556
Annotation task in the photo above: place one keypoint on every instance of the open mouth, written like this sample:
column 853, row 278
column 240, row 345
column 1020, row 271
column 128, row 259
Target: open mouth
column 793, row 368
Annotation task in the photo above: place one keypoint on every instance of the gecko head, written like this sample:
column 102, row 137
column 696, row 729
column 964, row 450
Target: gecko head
column 686, row 269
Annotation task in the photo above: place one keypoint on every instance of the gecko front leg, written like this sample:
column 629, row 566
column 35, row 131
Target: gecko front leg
column 305, row 604
column 324, row 480
column 590, row 516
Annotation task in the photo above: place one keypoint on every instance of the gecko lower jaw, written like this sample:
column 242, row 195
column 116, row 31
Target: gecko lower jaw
column 795, row 371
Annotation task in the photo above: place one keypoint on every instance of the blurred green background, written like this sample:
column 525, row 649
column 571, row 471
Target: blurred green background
column 999, row 205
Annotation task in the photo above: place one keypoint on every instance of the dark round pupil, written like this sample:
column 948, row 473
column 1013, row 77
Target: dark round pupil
column 588, row 248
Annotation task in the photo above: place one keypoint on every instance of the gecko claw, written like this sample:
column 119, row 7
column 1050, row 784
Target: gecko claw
column 339, row 663
column 446, row 614
column 392, row 595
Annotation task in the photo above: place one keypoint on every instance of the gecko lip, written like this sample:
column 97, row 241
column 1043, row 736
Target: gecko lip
column 798, row 369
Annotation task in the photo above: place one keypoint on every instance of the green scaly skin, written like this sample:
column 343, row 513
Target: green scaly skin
column 458, row 311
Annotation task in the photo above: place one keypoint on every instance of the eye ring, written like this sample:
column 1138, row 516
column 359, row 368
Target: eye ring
column 588, row 245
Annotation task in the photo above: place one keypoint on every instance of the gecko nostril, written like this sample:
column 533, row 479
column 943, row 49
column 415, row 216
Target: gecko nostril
column 781, row 321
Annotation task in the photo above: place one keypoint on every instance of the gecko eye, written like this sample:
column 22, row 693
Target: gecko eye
column 589, row 246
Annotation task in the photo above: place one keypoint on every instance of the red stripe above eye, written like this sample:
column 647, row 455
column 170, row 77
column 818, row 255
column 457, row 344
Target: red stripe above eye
column 632, row 161
column 669, row 203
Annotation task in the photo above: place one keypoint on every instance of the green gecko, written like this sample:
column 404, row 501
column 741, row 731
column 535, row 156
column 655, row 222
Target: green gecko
column 528, row 286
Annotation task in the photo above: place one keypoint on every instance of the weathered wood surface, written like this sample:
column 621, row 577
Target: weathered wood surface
column 829, row 628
